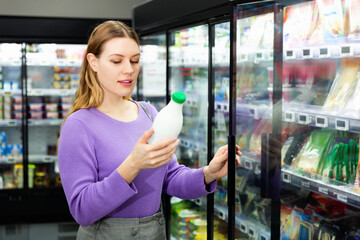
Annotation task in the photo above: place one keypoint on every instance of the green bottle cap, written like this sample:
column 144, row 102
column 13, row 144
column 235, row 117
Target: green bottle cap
column 179, row 97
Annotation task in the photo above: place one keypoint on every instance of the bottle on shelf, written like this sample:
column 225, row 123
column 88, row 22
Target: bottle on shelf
column 169, row 121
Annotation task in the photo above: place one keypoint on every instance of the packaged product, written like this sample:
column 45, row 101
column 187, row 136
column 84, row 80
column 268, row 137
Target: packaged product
column 314, row 151
column 343, row 85
column 300, row 21
column 332, row 18
column 352, row 21
column 357, row 178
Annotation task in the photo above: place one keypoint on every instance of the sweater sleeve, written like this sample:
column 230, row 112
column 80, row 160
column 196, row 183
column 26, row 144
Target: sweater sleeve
column 186, row 183
column 88, row 198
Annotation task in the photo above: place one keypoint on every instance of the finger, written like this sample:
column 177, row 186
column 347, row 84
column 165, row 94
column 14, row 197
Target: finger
column 163, row 143
column 146, row 136
column 159, row 161
column 170, row 149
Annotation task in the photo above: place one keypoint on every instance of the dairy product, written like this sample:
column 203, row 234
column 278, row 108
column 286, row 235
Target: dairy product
column 169, row 121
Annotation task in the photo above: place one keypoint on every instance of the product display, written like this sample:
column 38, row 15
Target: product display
column 316, row 126
column 48, row 67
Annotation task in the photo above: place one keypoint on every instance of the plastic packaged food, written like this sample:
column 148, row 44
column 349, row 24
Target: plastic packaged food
column 343, row 85
column 314, row 151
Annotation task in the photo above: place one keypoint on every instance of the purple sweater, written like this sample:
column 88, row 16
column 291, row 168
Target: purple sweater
column 92, row 145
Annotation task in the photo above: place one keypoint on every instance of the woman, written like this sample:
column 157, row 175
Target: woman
column 112, row 178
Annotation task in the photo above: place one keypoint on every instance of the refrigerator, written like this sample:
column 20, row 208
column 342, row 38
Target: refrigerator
column 280, row 80
column 40, row 60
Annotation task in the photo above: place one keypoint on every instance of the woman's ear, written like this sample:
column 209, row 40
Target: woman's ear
column 92, row 60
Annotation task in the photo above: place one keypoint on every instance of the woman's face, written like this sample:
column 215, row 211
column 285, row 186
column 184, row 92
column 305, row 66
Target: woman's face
column 118, row 66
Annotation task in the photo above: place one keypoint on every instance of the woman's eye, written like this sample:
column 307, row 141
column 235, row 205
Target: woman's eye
column 116, row 62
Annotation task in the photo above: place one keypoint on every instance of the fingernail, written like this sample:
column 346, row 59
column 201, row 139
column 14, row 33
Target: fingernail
column 175, row 138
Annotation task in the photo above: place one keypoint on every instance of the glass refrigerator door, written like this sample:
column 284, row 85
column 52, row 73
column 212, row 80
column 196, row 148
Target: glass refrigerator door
column 221, row 71
column 52, row 79
column 11, row 143
column 254, row 57
column 152, row 79
column 320, row 155
column 189, row 74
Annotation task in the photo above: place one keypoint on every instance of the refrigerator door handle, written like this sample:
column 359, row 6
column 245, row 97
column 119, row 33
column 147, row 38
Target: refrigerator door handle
column 270, row 165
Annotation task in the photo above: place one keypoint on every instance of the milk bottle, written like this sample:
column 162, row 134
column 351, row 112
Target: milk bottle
column 169, row 120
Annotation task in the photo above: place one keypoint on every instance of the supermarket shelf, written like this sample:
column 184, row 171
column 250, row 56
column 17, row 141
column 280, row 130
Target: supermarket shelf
column 50, row 92
column 10, row 92
column 252, row 228
column 31, row 122
column 45, row 122
column 333, row 189
column 32, row 159
column 11, row 61
column 37, row 60
column 10, row 123
column 336, row 190
column 42, row 158
column 11, row 160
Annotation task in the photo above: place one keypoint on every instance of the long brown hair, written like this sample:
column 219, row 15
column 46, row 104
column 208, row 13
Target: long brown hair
column 89, row 93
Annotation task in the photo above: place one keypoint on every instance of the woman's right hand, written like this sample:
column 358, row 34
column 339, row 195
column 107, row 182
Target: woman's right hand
column 145, row 156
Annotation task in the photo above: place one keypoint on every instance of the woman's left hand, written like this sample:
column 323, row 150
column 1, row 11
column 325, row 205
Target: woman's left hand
column 218, row 167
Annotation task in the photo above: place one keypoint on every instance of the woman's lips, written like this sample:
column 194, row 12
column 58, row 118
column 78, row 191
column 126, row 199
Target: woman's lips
column 126, row 82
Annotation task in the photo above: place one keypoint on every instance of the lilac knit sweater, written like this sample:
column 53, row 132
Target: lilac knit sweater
column 92, row 145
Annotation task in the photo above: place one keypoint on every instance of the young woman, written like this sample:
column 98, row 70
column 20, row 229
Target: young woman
column 112, row 178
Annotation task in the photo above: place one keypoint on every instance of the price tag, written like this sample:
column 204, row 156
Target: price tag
column 289, row 117
column 305, row 184
column 248, row 164
column 346, row 50
column 324, row 52
column 323, row 190
column 263, row 237
column 303, row 119
column 243, row 228
column 307, row 53
column 243, row 57
column 257, row 169
column 251, row 232
column 289, row 54
column 321, row 121
column 253, row 112
column 222, row 215
column 341, row 197
column 342, row 124
column 47, row 159
column 218, row 106
column 260, row 56
column 286, row 177
column 11, row 123
column 226, row 107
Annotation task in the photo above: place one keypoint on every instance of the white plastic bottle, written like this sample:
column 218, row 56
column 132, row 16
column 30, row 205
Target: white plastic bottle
column 169, row 120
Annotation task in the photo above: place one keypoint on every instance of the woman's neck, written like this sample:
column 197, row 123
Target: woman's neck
column 119, row 109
